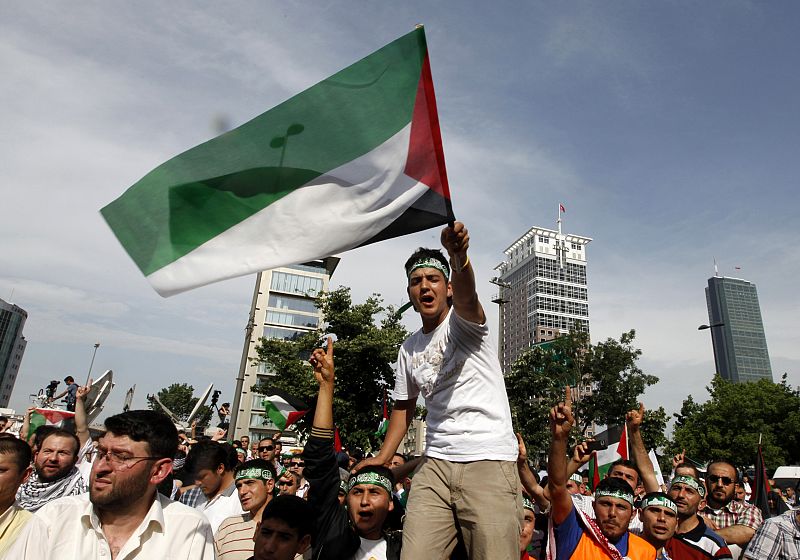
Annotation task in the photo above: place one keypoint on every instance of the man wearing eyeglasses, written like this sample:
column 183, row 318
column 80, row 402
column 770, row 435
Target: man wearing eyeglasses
column 123, row 516
column 268, row 450
column 298, row 466
column 736, row 522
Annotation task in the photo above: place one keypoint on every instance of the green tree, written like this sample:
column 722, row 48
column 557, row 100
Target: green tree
column 728, row 425
column 178, row 398
column 368, row 336
column 608, row 380
column 654, row 427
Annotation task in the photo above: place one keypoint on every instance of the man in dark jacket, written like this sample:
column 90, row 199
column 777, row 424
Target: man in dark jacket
column 357, row 531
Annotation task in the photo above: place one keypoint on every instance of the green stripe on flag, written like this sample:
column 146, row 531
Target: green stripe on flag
column 275, row 415
column 206, row 190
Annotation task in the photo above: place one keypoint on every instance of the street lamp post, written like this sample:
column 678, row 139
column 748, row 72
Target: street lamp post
column 711, row 332
column 89, row 375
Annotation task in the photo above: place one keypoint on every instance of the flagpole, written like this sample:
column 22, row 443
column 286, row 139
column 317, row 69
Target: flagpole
column 237, row 395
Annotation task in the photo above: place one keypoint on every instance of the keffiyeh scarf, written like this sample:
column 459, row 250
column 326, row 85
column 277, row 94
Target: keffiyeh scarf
column 34, row 494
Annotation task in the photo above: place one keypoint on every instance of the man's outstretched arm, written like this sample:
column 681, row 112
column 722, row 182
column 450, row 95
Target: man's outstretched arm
column 561, row 421
column 455, row 240
column 634, row 421
column 399, row 420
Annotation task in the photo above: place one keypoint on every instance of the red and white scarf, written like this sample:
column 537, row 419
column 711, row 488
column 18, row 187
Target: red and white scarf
column 592, row 529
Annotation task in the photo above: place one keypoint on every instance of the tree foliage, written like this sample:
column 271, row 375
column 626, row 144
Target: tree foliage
column 654, row 427
column 368, row 336
column 537, row 379
column 178, row 398
column 729, row 423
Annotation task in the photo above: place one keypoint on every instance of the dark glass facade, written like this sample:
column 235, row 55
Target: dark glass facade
column 740, row 344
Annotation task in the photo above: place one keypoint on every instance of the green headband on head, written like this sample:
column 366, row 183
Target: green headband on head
column 254, row 473
column 691, row 482
column 662, row 501
column 619, row 494
column 527, row 504
column 576, row 478
column 370, row 478
column 430, row 262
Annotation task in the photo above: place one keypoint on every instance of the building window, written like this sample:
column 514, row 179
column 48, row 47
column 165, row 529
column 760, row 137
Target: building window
column 292, row 303
column 285, row 334
column 294, row 283
column 292, row 319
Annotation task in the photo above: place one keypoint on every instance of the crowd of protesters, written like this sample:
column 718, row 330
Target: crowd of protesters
column 144, row 489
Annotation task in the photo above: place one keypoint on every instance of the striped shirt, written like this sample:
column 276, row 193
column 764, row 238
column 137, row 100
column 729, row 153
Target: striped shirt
column 234, row 538
column 700, row 543
column 778, row 538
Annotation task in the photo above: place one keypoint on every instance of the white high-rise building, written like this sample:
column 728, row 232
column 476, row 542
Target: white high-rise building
column 283, row 307
column 542, row 290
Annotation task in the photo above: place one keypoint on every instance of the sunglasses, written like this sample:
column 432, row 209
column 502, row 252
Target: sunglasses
column 266, row 448
column 285, row 483
column 713, row 479
column 301, row 464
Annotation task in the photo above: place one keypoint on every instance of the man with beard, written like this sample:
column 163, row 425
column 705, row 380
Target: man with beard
column 736, row 522
column 123, row 516
column 576, row 535
column 55, row 474
column 693, row 540
column 659, row 516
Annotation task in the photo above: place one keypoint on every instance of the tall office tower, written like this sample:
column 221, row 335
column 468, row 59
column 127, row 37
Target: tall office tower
column 283, row 307
column 543, row 291
column 740, row 345
column 12, row 347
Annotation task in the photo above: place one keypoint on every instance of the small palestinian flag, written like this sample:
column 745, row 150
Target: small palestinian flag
column 282, row 409
column 48, row 417
column 601, row 461
column 361, row 151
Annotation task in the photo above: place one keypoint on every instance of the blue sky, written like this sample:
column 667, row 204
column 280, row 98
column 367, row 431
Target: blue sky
column 668, row 130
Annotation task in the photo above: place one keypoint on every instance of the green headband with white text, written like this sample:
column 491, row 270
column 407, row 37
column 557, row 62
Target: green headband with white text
column 691, row 482
column 527, row 504
column 254, row 473
column 370, row 478
column 661, row 501
column 619, row 494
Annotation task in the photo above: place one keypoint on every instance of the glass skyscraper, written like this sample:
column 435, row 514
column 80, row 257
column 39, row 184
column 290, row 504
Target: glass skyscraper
column 12, row 347
column 740, row 345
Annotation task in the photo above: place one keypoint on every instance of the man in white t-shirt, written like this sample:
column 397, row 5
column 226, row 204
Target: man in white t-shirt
column 468, row 482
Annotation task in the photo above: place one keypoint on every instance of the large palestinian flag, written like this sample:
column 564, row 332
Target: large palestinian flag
column 354, row 159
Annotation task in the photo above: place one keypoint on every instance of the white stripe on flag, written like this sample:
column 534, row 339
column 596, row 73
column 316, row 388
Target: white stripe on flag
column 340, row 210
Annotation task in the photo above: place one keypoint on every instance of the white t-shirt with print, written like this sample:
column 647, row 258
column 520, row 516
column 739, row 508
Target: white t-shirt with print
column 456, row 369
